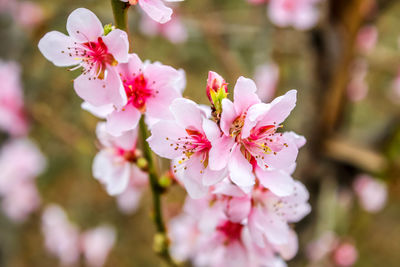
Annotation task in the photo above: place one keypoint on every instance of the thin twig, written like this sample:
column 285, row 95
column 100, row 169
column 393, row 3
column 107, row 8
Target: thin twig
column 161, row 242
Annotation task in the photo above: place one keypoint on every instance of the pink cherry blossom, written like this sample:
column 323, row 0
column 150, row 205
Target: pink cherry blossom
column 155, row 9
column 115, row 164
column 20, row 162
column 345, row 255
column 173, row 30
column 205, row 236
column 60, row 235
column 88, row 48
column 371, row 192
column 267, row 214
column 29, row 14
column 271, row 214
column 186, row 139
column 250, row 140
column 367, row 38
column 96, row 244
column 12, row 117
column 266, row 78
column 149, row 88
column 301, row 14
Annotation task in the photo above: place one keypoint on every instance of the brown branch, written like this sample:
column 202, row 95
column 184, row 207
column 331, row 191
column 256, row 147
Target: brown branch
column 361, row 157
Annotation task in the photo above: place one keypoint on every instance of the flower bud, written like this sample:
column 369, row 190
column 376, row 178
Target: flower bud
column 108, row 28
column 216, row 90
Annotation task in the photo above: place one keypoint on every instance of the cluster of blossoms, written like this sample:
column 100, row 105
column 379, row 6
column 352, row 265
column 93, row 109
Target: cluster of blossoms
column 233, row 159
column 118, row 87
column 300, row 14
column 20, row 159
column 64, row 240
column 237, row 170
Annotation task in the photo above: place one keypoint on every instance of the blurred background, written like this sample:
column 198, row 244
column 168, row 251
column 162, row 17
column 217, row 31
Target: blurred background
column 345, row 69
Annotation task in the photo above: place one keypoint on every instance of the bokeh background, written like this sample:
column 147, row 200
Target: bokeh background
column 230, row 37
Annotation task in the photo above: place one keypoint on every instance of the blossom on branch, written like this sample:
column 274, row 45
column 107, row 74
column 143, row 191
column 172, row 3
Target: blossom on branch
column 93, row 49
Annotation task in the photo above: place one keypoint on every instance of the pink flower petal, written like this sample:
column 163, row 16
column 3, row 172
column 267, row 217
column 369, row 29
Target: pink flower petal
column 133, row 66
column 220, row 152
column 289, row 250
column 117, row 44
column 84, row 26
column 156, row 10
column 163, row 134
column 238, row 209
column 101, row 92
column 240, row 170
column 187, row 113
column 54, row 47
column 244, row 94
column 123, row 120
column 280, row 108
column 279, row 182
column 228, row 116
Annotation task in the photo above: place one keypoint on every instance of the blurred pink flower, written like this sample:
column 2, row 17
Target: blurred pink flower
column 20, row 162
column 367, row 38
column 21, row 200
column 12, row 117
column 174, row 30
column 357, row 89
column 64, row 240
column 155, row 9
column 371, row 192
column 187, row 139
column 61, row 236
column 96, row 245
column 266, row 78
column 149, row 88
column 333, row 248
column 301, row 14
column 321, row 247
column 115, row 164
column 88, row 47
column 8, row 5
column 29, row 14
column 345, row 254
column 250, row 141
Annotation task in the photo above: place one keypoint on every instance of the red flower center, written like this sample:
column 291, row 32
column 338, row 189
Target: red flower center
column 231, row 231
column 137, row 91
column 95, row 57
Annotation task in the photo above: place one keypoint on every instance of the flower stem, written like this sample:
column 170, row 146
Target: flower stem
column 120, row 11
column 161, row 242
